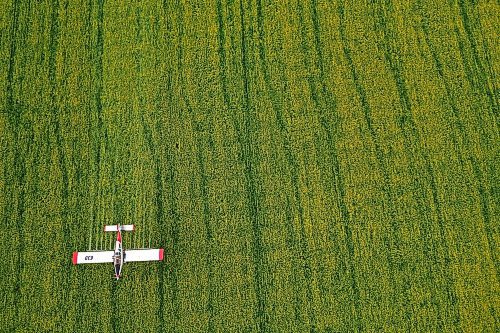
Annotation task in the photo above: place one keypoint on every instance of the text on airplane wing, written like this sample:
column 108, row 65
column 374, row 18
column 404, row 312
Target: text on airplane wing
column 93, row 257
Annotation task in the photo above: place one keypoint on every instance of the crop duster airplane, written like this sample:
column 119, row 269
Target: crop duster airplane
column 119, row 256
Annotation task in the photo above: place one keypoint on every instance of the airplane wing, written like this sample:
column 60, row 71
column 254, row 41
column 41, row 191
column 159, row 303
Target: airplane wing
column 125, row 227
column 94, row 257
column 143, row 255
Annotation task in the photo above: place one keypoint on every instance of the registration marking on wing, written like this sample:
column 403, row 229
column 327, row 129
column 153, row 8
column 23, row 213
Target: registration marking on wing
column 92, row 257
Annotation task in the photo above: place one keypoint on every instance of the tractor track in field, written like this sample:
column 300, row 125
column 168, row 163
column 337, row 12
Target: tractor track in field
column 294, row 173
column 18, row 178
column 160, row 210
column 386, row 187
column 464, row 140
column 160, row 216
column 222, row 54
column 101, row 137
column 172, row 212
column 482, row 76
column 448, row 275
column 147, row 130
column 471, row 78
column 409, row 129
column 317, row 96
column 172, row 278
column 174, row 230
column 206, row 222
column 249, row 155
column 199, row 128
column 407, row 122
column 56, row 124
column 20, row 168
column 11, row 112
column 115, row 323
column 330, row 128
column 160, row 192
column 245, row 149
column 88, row 54
column 98, row 60
column 159, row 200
column 470, row 74
column 97, row 132
column 481, row 87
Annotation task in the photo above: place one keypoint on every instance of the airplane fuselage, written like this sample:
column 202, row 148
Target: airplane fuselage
column 118, row 255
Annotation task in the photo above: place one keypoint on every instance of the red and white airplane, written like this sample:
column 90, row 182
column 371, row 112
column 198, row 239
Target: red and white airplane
column 119, row 256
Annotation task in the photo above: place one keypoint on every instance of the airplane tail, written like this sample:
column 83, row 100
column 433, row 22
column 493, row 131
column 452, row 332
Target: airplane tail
column 126, row 227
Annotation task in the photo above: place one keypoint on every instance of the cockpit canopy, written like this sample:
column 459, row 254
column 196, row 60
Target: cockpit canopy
column 117, row 261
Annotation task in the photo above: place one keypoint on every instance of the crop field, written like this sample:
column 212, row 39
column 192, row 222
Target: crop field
column 308, row 166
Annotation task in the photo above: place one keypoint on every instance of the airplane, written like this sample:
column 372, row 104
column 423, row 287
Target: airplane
column 119, row 256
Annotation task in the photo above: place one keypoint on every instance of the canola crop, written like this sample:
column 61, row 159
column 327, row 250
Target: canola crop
column 308, row 166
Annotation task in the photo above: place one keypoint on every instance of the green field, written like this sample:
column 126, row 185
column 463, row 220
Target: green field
column 308, row 166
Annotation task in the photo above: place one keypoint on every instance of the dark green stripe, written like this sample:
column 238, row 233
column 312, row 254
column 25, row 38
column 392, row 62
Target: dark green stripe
column 409, row 130
column 199, row 127
column 13, row 116
column 395, row 262
column 483, row 77
column 464, row 140
column 294, row 174
column 249, row 156
column 18, row 178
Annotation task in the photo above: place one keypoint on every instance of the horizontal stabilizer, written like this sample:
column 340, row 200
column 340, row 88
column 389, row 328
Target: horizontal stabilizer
column 93, row 257
column 143, row 255
column 126, row 227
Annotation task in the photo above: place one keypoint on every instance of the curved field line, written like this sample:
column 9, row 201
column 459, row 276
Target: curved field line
column 20, row 175
column 204, row 185
column 56, row 123
column 19, row 168
column 409, row 131
column 11, row 112
column 330, row 127
column 249, row 155
column 477, row 60
column 169, row 197
column 160, row 211
column 292, row 161
column 387, row 187
column 206, row 221
column 476, row 173
column 96, row 58
column 159, row 199
column 88, row 53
